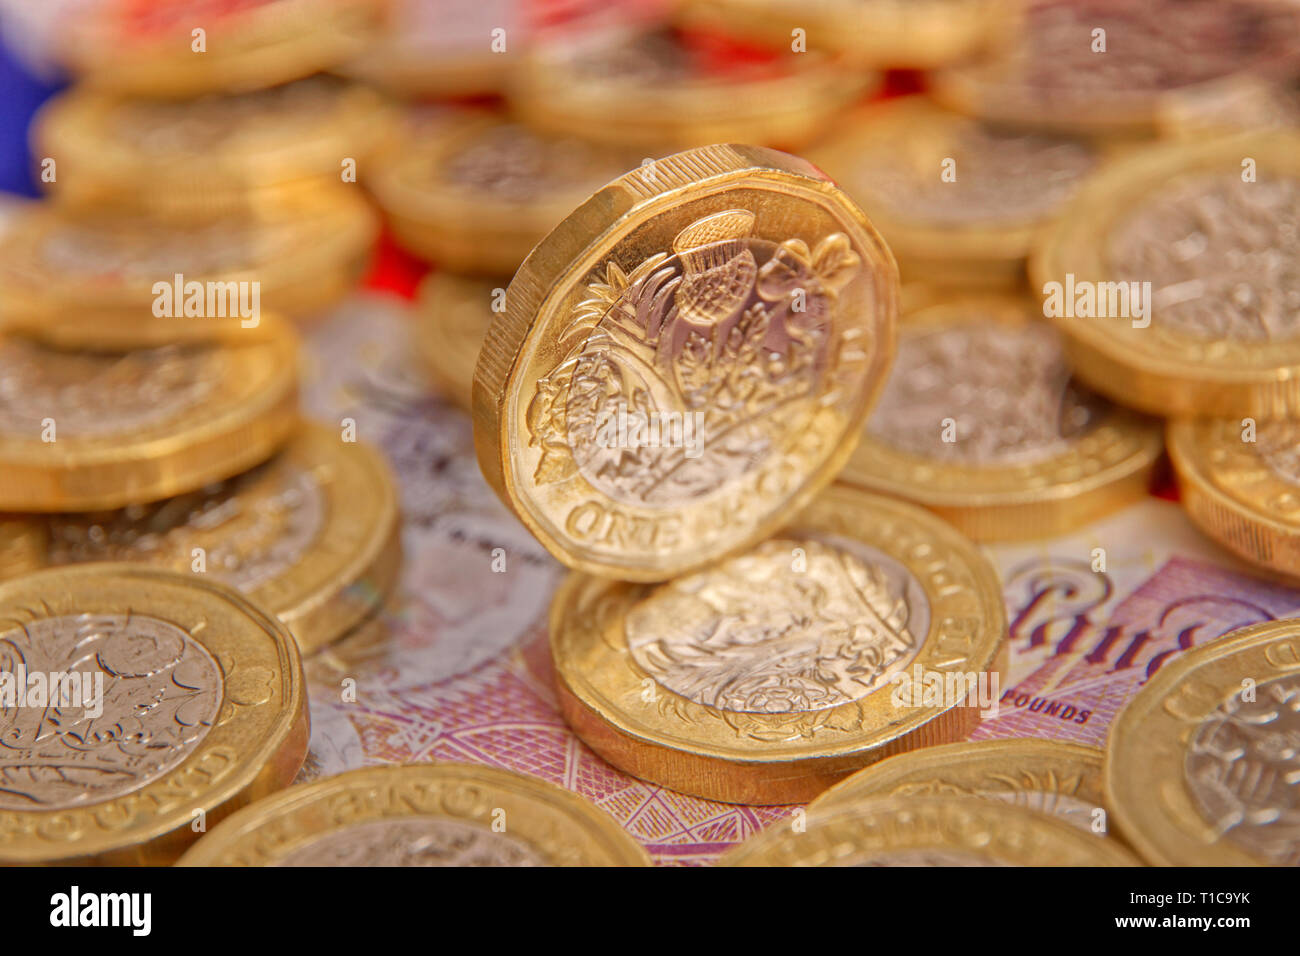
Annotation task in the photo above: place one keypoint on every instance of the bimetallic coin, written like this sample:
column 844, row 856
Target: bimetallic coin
column 907, row 34
column 312, row 535
column 1202, row 767
column 442, row 814
column 444, row 48
column 452, row 317
column 113, row 279
column 685, row 361
column 958, row 201
column 186, row 48
column 652, row 89
column 1111, row 66
column 765, row 678
column 1175, row 276
column 928, row 831
column 178, row 701
column 1240, row 483
column 83, row 430
column 1051, row 776
column 184, row 155
column 981, row 423
column 475, row 193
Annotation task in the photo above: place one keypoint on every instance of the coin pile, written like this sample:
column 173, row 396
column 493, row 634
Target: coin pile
column 762, row 357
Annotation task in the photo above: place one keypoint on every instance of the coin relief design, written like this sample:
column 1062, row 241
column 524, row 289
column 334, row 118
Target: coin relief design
column 256, row 527
column 1003, row 175
column 1279, row 446
column 1242, row 769
column 1006, row 389
column 730, row 331
column 413, row 841
column 161, row 694
column 1046, row 800
column 88, row 393
column 1222, row 257
column 754, row 636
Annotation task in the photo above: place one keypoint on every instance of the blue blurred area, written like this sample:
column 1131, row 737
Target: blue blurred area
column 21, row 93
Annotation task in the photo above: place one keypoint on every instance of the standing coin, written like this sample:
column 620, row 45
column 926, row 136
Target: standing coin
column 443, row 814
column 452, row 317
column 1174, row 277
column 184, row 703
column 22, row 545
column 312, row 535
column 166, row 152
column 958, row 201
column 657, row 88
column 906, row 34
column 82, row 430
column 765, row 678
column 1112, row 66
column 685, row 361
column 1202, row 764
column 928, row 831
column 981, row 422
column 110, row 278
column 1240, row 483
column 475, row 193
column 1062, row 779
column 186, row 48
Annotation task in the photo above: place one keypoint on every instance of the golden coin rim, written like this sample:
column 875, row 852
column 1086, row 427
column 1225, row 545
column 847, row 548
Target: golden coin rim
column 241, row 833
column 1144, row 752
column 829, row 827
column 610, row 674
column 267, row 766
column 570, row 253
column 985, row 501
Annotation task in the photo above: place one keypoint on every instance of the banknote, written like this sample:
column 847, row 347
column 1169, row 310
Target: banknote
column 456, row 666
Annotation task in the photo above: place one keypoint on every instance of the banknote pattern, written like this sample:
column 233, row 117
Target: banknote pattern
column 457, row 666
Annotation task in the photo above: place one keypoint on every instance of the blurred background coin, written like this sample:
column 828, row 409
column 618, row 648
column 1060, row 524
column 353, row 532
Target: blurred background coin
column 452, row 318
column 86, row 430
column 928, row 831
column 311, row 535
column 981, row 422
column 1175, row 276
column 443, row 814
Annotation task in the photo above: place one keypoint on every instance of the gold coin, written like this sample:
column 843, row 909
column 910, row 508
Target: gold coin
column 22, row 546
column 184, row 154
column 1051, row 776
column 452, row 317
column 1174, row 309
column 1240, row 483
column 444, row 814
column 765, row 678
column 312, row 535
column 981, row 423
column 109, row 278
column 1201, row 765
column 185, row 49
column 83, row 430
column 928, row 831
column 958, row 201
column 1110, row 67
column 475, row 193
column 650, row 89
column 685, row 361
column 442, row 50
column 908, row 34
column 185, row 702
